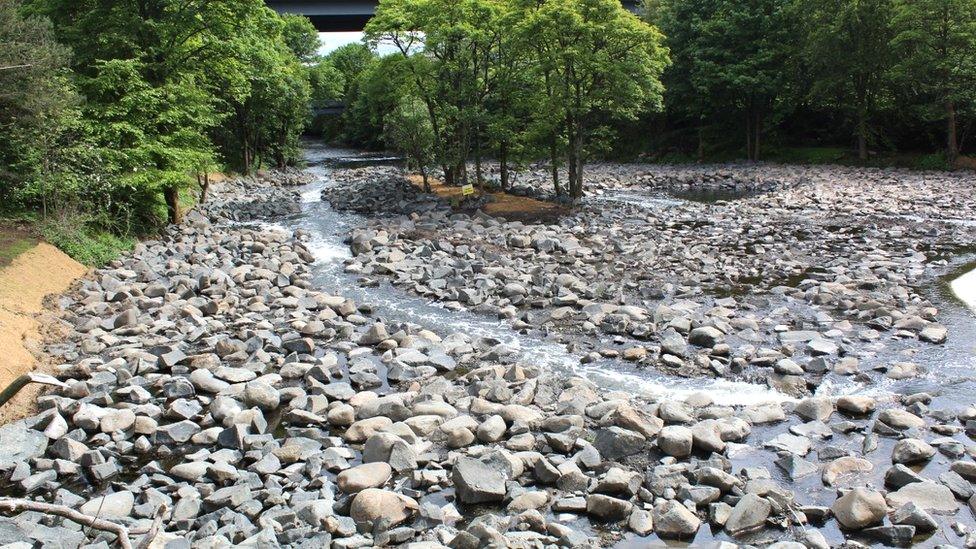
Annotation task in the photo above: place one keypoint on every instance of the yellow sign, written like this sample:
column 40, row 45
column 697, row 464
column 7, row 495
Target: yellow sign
column 467, row 189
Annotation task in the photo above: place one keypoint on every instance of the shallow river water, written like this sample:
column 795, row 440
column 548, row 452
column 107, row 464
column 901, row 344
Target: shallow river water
column 950, row 368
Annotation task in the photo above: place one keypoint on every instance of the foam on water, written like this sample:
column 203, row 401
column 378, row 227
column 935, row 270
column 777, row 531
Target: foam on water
column 311, row 195
column 325, row 251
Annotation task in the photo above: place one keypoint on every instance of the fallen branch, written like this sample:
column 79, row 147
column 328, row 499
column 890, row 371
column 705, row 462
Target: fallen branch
column 153, row 529
column 13, row 505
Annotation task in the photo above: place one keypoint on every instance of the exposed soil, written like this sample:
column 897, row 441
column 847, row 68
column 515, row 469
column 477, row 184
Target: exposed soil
column 25, row 281
column 509, row 206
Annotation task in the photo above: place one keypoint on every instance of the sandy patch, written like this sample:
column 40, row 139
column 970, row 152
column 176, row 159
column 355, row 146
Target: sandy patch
column 24, row 283
column 509, row 206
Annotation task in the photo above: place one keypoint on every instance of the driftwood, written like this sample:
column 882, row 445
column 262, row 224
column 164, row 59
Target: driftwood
column 13, row 505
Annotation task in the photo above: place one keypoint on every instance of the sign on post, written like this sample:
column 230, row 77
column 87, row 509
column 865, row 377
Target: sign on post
column 467, row 190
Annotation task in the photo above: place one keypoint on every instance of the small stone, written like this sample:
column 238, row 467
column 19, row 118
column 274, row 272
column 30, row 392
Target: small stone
column 368, row 475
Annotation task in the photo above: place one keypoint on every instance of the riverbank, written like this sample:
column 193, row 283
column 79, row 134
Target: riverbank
column 244, row 380
column 35, row 271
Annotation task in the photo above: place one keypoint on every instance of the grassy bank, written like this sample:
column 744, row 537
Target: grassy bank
column 82, row 237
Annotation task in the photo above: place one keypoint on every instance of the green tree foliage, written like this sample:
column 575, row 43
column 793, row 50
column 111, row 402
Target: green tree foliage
column 935, row 43
column 38, row 106
column 587, row 62
column 350, row 60
column 848, row 51
column 739, row 59
column 327, row 83
column 408, row 131
column 173, row 86
column 301, row 37
column 450, row 44
column 375, row 92
column 599, row 63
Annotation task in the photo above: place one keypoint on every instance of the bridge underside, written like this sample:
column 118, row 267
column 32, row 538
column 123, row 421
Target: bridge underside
column 349, row 15
column 330, row 16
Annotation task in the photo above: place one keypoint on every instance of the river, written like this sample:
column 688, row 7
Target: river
column 949, row 367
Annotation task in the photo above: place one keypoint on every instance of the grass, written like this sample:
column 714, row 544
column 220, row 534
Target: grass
column 13, row 242
column 86, row 245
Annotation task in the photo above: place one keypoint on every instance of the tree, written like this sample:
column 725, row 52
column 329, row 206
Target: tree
column 847, row 48
column 327, row 83
column 686, row 98
column 453, row 74
column 373, row 94
column 38, row 105
column 150, row 137
column 301, row 37
column 407, row 130
column 737, row 54
column 936, row 45
column 600, row 63
column 350, row 60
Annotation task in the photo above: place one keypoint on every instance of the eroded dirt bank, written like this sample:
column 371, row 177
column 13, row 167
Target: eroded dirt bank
column 33, row 275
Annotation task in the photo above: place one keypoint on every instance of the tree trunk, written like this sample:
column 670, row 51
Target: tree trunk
column 203, row 181
column 862, row 134
column 448, row 175
column 952, row 143
column 462, row 172
column 555, row 168
column 503, row 164
column 172, row 195
column 423, row 173
column 701, row 144
column 575, row 160
column 477, row 160
column 749, row 137
column 758, row 130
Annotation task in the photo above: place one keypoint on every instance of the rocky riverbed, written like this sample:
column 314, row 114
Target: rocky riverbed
column 222, row 379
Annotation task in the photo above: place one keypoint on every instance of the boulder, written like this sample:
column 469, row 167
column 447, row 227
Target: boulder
column 859, row 508
column 478, row 482
column 376, row 509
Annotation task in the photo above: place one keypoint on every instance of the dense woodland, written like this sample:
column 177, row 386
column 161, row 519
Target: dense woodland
column 113, row 111
column 110, row 111
column 566, row 80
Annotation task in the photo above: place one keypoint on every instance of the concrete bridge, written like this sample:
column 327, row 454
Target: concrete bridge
column 349, row 15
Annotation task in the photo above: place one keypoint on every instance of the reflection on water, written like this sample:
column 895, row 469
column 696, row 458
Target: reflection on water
column 964, row 286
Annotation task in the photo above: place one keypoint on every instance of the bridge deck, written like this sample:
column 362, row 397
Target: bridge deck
column 349, row 15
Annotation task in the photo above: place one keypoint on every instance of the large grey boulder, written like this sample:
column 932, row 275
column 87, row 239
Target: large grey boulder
column 477, row 482
column 19, row 443
column 748, row 515
column 115, row 505
column 617, row 443
column 859, row 508
column 673, row 520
